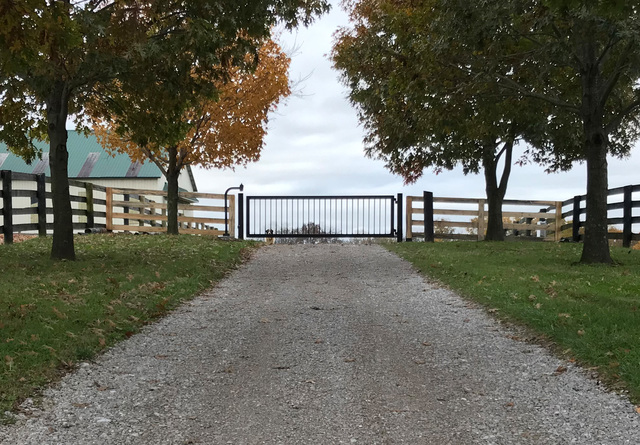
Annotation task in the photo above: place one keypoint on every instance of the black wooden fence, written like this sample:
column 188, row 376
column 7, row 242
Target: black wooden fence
column 26, row 205
column 619, row 207
column 622, row 201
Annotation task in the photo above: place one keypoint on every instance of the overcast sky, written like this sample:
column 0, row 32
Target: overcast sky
column 314, row 144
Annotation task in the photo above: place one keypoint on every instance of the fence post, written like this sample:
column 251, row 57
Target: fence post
column 7, row 206
column 558, row 222
column 89, row 194
column 41, row 196
column 125, row 209
column 428, row 217
column 109, row 206
column 409, row 219
column 575, row 225
column 399, row 216
column 481, row 225
column 626, row 217
column 240, row 215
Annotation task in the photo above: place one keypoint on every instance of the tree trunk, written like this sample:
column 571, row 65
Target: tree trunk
column 172, row 192
column 57, row 111
column 596, row 242
column 496, row 192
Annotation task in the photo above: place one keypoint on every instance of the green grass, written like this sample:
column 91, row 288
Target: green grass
column 54, row 314
column 589, row 313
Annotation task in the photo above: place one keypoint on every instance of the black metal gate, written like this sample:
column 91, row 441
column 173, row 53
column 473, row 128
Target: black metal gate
column 324, row 216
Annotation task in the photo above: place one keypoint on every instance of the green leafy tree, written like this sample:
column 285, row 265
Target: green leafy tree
column 417, row 112
column 55, row 56
column 582, row 62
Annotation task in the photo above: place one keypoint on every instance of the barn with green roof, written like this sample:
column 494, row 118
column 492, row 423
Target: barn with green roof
column 90, row 162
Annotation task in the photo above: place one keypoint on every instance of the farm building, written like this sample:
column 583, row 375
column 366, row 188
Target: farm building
column 90, row 163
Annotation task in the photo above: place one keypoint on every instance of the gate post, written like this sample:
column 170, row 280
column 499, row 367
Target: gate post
column 399, row 216
column 428, row 217
column 7, row 206
column 240, row 215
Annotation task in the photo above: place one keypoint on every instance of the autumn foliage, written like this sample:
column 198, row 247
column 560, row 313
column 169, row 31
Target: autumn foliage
column 225, row 132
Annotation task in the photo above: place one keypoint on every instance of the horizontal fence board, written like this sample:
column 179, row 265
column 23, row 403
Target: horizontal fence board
column 528, row 203
column 510, row 226
column 619, row 190
column 140, row 205
column 23, row 193
column 528, row 215
column 620, row 235
column 144, row 217
column 17, row 176
column 204, row 195
column 17, row 228
column 138, row 228
column 118, row 191
column 26, row 211
column 459, row 224
column 453, row 212
column 456, row 200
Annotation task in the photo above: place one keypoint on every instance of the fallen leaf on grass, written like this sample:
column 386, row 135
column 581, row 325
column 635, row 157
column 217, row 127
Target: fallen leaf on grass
column 563, row 315
column 638, row 409
column 60, row 315
column 581, row 332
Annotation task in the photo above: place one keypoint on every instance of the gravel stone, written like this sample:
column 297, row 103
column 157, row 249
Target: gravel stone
column 326, row 344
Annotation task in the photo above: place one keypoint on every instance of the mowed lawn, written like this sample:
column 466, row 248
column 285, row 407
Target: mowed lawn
column 591, row 314
column 54, row 314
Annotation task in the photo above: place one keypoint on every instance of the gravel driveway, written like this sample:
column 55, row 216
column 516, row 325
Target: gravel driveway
column 327, row 344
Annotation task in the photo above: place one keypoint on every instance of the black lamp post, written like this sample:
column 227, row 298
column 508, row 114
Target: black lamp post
column 226, row 219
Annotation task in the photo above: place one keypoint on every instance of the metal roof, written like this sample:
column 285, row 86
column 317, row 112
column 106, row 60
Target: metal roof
column 87, row 159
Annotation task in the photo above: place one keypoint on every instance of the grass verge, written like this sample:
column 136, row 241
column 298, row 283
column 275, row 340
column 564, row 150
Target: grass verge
column 591, row 313
column 54, row 314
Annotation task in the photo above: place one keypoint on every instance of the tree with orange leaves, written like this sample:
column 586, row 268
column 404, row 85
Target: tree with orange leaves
column 220, row 132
